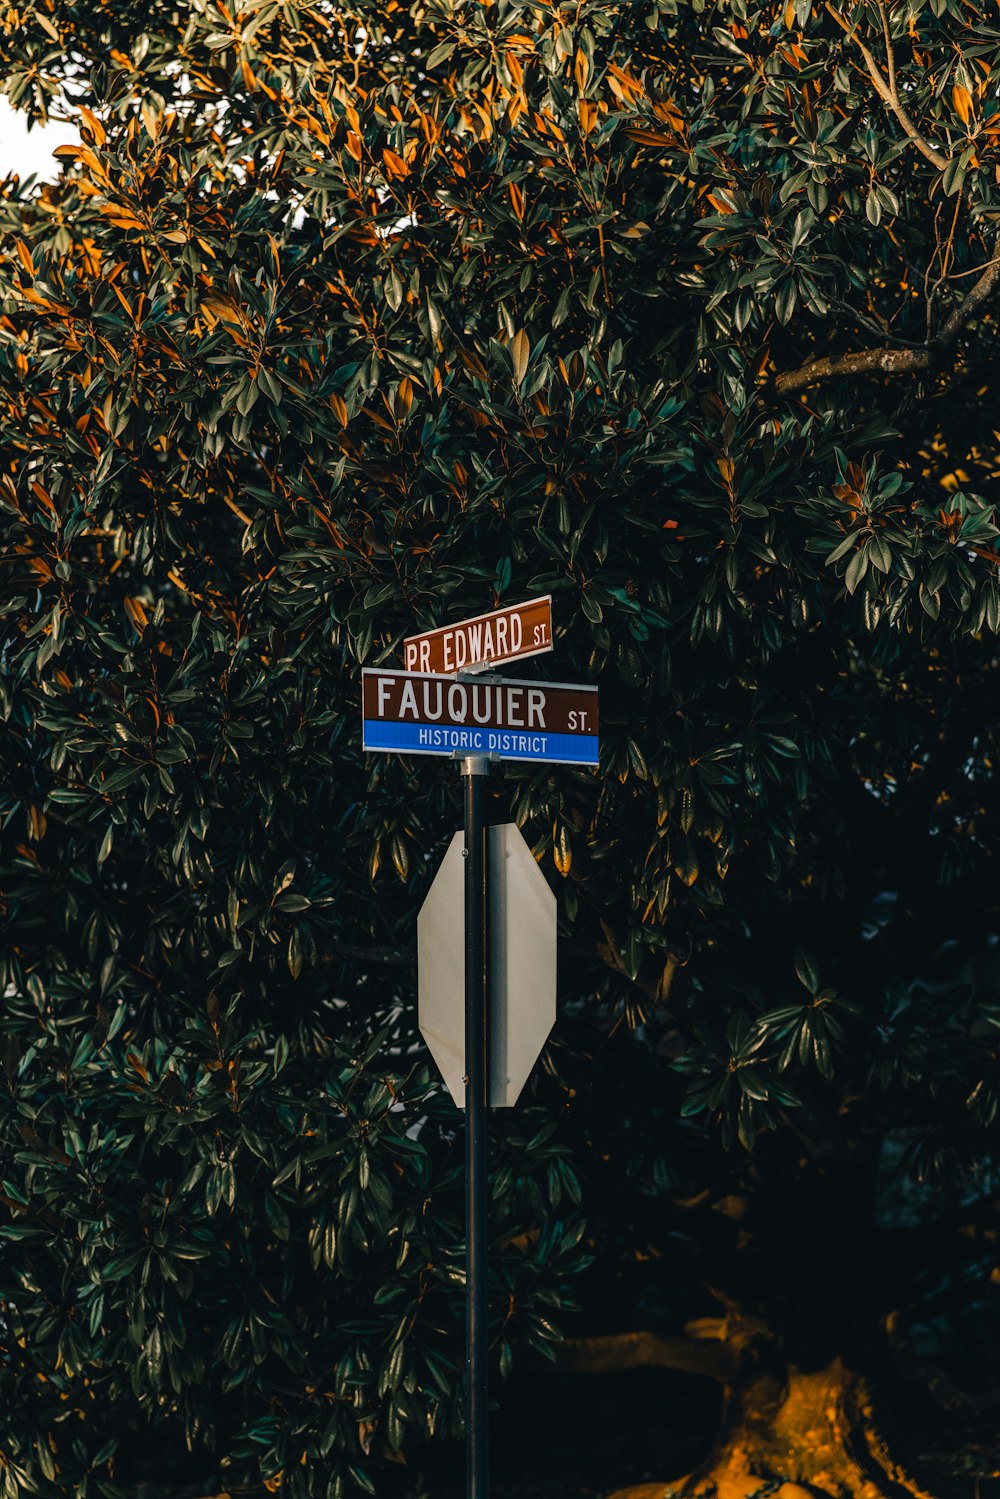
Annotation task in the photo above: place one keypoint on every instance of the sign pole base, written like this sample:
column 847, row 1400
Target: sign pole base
column 477, row 1081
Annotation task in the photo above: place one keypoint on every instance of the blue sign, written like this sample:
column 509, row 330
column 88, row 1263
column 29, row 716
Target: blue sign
column 415, row 713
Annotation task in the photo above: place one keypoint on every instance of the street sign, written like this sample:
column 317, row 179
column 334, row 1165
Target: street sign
column 417, row 713
column 521, row 943
column 486, row 640
column 486, row 934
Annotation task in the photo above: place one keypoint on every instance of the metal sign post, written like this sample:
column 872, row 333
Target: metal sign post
column 504, row 993
column 477, row 1081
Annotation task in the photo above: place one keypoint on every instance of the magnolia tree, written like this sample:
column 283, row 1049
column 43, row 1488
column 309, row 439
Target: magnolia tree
column 340, row 324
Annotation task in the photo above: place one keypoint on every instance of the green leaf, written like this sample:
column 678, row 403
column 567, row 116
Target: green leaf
column 106, row 842
column 856, row 568
column 806, row 970
column 953, row 176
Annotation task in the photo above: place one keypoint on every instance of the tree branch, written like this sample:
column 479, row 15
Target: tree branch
column 646, row 1350
column 864, row 362
column 960, row 315
column 890, row 56
column 887, row 90
column 880, row 331
column 894, row 361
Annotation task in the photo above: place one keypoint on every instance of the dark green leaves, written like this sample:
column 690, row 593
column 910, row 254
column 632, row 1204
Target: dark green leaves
column 300, row 357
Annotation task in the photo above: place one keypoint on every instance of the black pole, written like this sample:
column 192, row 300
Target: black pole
column 477, row 1082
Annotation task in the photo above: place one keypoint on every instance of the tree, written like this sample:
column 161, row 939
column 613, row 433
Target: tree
column 340, row 324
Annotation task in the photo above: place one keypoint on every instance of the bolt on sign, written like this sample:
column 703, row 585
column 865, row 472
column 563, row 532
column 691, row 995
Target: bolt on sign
column 487, row 640
column 416, row 713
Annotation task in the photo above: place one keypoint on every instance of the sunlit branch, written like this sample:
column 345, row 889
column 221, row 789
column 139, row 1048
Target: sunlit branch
column 889, row 93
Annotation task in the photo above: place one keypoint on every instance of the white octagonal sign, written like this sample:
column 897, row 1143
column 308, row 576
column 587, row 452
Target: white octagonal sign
column 521, row 949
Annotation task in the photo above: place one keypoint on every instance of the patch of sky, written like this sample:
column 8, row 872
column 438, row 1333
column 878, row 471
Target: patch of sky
column 29, row 152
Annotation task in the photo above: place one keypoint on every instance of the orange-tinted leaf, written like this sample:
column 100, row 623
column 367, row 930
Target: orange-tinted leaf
column 520, row 351
column 648, row 137
column 42, row 495
column 562, row 852
column 395, row 165
column 94, row 125
column 137, row 614
column 473, row 364
column 403, row 399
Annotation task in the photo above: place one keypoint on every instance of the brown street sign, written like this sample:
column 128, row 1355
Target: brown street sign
column 415, row 713
column 487, row 640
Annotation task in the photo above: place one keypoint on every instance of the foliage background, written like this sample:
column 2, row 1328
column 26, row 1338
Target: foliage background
column 343, row 323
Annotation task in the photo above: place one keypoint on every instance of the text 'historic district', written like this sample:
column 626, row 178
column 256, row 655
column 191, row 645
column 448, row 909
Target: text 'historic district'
column 421, row 714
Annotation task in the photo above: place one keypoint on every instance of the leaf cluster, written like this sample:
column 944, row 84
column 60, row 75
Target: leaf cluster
column 339, row 325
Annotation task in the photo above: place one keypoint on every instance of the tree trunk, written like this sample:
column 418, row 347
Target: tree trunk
column 804, row 1435
column 817, row 1430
